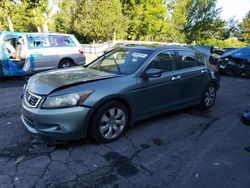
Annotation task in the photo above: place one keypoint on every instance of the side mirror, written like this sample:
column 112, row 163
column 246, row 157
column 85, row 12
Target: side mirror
column 151, row 73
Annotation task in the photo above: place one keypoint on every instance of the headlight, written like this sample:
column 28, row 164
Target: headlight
column 69, row 100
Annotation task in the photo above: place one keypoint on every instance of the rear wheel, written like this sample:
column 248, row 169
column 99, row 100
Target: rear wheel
column 208, row 97
column 65, row 63
column 109, row 122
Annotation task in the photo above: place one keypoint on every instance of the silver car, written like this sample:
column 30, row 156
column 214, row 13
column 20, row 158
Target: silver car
column 26, row 53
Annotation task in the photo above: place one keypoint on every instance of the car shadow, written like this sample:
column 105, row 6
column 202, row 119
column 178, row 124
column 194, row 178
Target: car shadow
column 191, row 111
column 42, row 146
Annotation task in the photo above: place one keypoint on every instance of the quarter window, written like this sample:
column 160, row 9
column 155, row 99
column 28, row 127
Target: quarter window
column 188, row 59
column 164, row 61
column 62, row 41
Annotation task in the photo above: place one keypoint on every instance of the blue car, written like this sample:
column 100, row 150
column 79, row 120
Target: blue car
column 235, row 62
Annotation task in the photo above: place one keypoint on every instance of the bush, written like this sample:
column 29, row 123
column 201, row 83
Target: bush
column 228, row 43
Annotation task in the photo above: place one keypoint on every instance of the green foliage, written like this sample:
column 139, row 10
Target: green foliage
column 183, row 21
column 99, row 20
column 228, row 43
column 25, row 15
column 245, row 26
column 173, row 20
column 203, row 21
column 64, row 20
column 91, row 20
column 146, row 19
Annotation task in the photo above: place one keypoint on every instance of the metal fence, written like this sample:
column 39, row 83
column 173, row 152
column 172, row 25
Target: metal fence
column 96, row 48
column 100, row 47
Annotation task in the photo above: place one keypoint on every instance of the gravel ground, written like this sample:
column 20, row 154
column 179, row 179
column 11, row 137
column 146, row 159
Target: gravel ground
column 188, row 148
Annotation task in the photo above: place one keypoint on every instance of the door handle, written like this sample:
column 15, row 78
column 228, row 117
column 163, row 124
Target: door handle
column 176, row 77
column 204, row 71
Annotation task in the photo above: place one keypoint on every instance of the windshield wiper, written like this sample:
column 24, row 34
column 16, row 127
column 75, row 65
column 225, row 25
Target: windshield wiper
column 117, row 66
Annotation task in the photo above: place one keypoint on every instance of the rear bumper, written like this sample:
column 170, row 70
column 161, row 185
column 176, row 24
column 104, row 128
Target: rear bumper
column 58, row 124
column 81, row 60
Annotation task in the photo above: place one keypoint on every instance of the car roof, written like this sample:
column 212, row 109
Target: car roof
column 33, row 33
column 158, row 47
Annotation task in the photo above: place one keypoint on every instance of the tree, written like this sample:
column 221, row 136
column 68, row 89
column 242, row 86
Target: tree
column 147, row 19
column 64, row 19
column 177, row 17
column 245, row 27
column 203, row 20
column 24, row 15
column 97, row 20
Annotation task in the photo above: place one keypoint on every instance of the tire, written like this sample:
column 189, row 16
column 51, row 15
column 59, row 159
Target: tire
column 208, row 97
column 109, row 122
column 66, row 63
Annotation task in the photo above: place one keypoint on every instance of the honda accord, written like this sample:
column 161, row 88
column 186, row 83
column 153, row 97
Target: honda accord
column 119, row 88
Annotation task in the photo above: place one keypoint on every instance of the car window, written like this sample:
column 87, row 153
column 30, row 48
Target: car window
column 188, row 59
column 12, row 39
column 62, row 41
column 164, row 61
column 39, row 41
column 121, row 61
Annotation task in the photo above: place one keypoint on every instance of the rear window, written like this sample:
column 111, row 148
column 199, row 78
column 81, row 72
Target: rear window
column 62, row 41
column 188, row 59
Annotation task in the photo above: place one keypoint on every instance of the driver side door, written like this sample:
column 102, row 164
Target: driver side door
column 157, row 94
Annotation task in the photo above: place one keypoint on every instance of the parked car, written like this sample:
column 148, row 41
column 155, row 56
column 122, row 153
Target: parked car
column 236, row 62
column 116, row 90
column 26, row 53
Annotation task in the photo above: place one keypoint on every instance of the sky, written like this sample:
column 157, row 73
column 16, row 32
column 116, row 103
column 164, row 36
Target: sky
column 231, row 8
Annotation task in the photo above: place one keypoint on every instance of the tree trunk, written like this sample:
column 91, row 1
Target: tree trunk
column 11, row 28
column 45, row 23
column 114, row 37
column 39, row 29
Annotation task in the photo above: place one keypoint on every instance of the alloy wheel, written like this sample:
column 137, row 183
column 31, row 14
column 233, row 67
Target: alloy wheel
column 210, row 96
column 112, row 123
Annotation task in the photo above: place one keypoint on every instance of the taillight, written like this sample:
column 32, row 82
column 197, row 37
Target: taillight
column 81, row 51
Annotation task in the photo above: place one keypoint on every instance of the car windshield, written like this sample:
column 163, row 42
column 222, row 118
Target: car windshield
column 121, row 61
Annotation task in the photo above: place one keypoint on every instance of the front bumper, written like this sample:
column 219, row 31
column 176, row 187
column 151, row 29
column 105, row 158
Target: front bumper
column 58, row 124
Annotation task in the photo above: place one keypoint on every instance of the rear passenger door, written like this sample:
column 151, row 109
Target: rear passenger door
column 194, row 75
column 41, row 52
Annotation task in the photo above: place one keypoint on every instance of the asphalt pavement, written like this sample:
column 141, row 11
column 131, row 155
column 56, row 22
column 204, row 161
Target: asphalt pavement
column 187, row 148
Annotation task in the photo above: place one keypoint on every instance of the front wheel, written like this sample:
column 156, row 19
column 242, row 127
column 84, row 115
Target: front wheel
column 109, row 122
column 208, row 97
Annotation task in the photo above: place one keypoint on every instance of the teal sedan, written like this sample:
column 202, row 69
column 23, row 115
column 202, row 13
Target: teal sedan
column 119, row 88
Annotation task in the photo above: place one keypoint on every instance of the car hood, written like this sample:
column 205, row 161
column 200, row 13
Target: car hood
column 46, row 82
column 241, row 53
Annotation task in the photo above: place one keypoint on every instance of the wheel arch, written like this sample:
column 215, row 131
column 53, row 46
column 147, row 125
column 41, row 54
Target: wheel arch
column 106, row 100
column 214, row 82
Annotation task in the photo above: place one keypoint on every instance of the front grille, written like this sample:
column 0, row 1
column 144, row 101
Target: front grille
column 32, row 100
